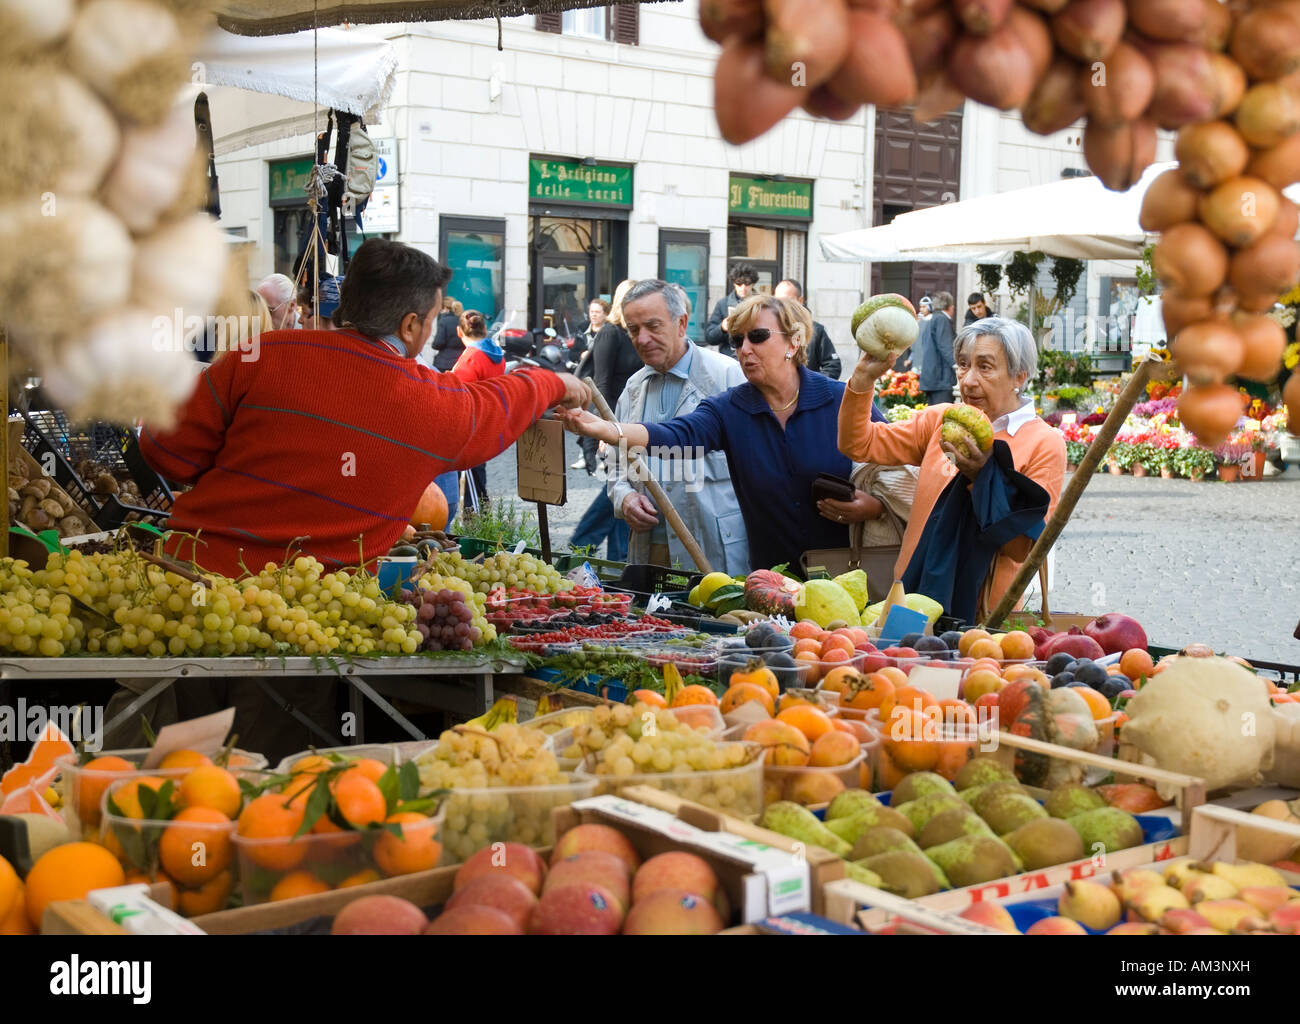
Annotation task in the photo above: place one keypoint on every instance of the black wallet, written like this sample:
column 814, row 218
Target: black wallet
column 827, row 485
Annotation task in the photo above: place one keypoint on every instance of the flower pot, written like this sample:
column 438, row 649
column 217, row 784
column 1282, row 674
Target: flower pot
column 1166, row 473
column 1114, row 469
column 1139, row 470
column 1229, row 472
column 1071, row 466
column 1253, row 469
column 1197, row 476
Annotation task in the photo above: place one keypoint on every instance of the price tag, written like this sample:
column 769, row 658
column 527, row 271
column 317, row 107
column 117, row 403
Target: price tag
column 941, row 683
column 1069, row 419
column 519, row 548
column 539, row 456
column 1252, row 424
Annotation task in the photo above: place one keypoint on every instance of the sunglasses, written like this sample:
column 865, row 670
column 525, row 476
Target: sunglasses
column 756, row 337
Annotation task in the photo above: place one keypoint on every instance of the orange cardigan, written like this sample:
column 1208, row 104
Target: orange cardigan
column 1037, row 450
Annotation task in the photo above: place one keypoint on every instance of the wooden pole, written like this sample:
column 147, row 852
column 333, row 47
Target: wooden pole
column 544, row 530
column 1128, row 398
column 4, row 441
column 661, row 499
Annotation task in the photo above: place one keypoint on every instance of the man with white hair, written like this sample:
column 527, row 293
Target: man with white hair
column 281, row 299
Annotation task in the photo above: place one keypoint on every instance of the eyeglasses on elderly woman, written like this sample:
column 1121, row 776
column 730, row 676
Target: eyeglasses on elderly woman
column 756, row 337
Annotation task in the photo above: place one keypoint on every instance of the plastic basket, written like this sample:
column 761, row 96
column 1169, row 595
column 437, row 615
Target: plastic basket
column 388, row 753
column 738, row 791
column 810, row 786
column 606, row 571
column 475, row 818
column 646, row 580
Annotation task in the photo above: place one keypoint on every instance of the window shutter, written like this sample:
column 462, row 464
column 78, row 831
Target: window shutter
column 549, row 22
column 626, row 23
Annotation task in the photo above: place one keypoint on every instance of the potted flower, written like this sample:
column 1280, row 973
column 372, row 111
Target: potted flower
column 1193, row 461
column 1123, row 456
column 1230, row 455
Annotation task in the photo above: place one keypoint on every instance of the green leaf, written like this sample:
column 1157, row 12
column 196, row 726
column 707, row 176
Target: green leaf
column 168, row 804
column 150, row 736
column 409, row 777
column 148, row 801
column 390, row 786
column 133, row 844
column 317, row 804
column 422, row 806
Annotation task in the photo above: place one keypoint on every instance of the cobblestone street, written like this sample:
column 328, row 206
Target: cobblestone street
column 1209, row 562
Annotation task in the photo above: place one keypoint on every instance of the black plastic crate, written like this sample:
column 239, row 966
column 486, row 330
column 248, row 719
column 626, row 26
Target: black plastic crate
column 644, row 580
column 125, row 446
column 114, row 513
column 53, row 462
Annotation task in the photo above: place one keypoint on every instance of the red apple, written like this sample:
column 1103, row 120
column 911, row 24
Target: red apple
column 579, row 909
column 1077, row 646
column 500, row 892
column 473, row 921
column 596, row 837
column 873, row 662
column 514, row 859
column 900, row 652
column 596, row 866
column 1117, row 633
column 676, row 870
column 379, row 915
column 673, row 912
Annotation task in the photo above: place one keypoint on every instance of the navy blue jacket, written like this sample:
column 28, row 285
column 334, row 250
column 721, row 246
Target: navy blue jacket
column 772, row 469
column 935, row 344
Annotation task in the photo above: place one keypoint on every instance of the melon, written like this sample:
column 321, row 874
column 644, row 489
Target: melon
column 965, row 423
column 885, row 325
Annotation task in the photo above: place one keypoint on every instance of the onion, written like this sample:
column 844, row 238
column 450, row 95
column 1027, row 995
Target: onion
column 1168, row 201
column 928, row 36
column 1240, row 210
column 30, row 25
column 982, row 16
column 1090, row 29
column 1210, row 412
column 1175, row 21
column 1210, row 153
column 1269, row 114
column 877, row 69
column 1180, row 310
column 745, row 101
column 1191, row 260
column 1187, row 90
column 1119, row 88
column 1269, row 267
column 1288, row 219
column 936, row 97
column 1218, row 25
column 807, row 39
column 1230, row 84
column 1046, row 6
column 1263, row 342
column 1057, row 100
column 824, row 103
column 1279, row 166
column 723, row 19
column 1118, row 154
column 1266, row 41
column 996, row 70
column 1209, row 351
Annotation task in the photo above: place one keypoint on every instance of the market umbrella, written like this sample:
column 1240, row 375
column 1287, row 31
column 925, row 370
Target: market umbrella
column 883, row 245
column 269, row 17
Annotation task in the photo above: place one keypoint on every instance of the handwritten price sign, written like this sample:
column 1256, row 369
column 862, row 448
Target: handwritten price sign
column 541, row 464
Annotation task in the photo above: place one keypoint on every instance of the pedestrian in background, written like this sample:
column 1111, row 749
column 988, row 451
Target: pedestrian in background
column 278, row 292
column 938, row 377
column 482, row 359
column 743, row 279
column 976, row 308
column 821, row 355
column 597, row 313
column 445, row 346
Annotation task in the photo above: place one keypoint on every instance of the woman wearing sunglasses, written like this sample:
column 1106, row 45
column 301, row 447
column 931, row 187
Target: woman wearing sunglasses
column 778, row 431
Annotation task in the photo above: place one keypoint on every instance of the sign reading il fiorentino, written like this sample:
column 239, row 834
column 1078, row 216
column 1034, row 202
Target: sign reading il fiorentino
column 762, row 198
column 570, row 181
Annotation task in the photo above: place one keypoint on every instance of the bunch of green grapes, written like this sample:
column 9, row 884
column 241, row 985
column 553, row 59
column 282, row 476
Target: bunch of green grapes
column 33, row 619
column 472, row 763
column 504, row 569
column 474, row 601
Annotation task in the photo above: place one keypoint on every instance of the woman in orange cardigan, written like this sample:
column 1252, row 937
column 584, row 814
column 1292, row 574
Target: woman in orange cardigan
column 995, row 358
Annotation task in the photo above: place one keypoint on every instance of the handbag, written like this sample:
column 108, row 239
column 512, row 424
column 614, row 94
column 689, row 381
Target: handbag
column 876, row 560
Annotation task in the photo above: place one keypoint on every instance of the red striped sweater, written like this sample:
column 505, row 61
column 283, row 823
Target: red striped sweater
column 330, row 436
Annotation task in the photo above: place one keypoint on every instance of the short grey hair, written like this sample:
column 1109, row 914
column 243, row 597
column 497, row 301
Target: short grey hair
column 276, row 289
column 942, row 301
column 674, row 295
column 1017, row 343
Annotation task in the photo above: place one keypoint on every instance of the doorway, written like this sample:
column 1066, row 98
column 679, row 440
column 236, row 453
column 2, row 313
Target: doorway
column 574, row 260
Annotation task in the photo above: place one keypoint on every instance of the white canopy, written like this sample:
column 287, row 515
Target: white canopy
column 1076, row 217
column 345, row 69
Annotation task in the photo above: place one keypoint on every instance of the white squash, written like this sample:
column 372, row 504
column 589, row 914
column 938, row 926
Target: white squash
column 131, row 53
column 1206, row 717
column 885, row 325
column 30, row 25
column 182, row 266
column 150, row 170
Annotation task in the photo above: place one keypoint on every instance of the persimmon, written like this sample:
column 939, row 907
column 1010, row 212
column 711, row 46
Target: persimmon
column 954, row 712
column 758, row 674
column 894, row 674
column 833, row 748
column 914, row 698
column 888, row 773
column 794, row 700
column 782, row 743
column 812, row 722
column 1096, row 701
column 953, row 755
column 839, row 678
column 650, row 697
column 741, row 693
column 697, row 694
column 876, row 691
column 911, row 740
column 816, row 788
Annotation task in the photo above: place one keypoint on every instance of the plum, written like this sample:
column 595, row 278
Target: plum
column 951, row 638
column 911, row 640
column 1062, row 679
column 1091, row 673
column 1058, row 663
column 929, row 645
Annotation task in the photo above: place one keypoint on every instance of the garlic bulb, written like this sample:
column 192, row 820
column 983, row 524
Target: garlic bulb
column 76, row 142
column 122, row 369
column 62, row 263
column 28, row 25
column 131, row 52
column 181, row 266
column 150, row 170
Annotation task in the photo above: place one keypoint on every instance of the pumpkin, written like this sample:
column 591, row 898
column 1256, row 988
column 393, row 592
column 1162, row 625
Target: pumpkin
column 432, row 508
column 771, row 593
column 1057, row 716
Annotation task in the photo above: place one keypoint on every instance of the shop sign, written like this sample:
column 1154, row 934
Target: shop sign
column 568, row 181
column 759, row 198
column 289, row 181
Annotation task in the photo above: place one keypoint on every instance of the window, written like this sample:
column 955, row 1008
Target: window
column 619, row 23
column 474, row 250
column 684, row 260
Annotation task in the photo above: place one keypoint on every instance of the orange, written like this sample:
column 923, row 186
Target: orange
column 184, row 759
column 207, row 898
column 911, row 741
column 808, row 644
column 272, row 816
column 837, row 641
column 650, row 697
column 783, row 743
column 812, row 722
column 1016, row 645
column 986, row 647
column 417, row 850
column 813, row 671
column 981, row 682
column 48, row 748
column 834, row 748
column 10, row 887
column 759, row 674
column 806, row 630
column 127, row 798
column 359, row 801
column 968, row 639
column 1097, row 702
column 195, row 847
column 16, row 922
column 297, row 883
column 837, row 679
column 96, row 776
column 363, row 877
column 741, row 693
column 210, row 786
column 816, row 788
column 697, row 694
column 366, row 767
column 68, row 872
column 877, row 691
column 1136, row 663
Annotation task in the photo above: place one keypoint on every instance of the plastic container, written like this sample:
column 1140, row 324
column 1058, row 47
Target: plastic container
column 943, row 749
column 1106, row 734
column 730, row 662
column 705, row 717
column 389, row 753
column 475, row 818
column 815, row 786
column 738, row 791
column 331, row 857
column 83, row 789
column 644, row 580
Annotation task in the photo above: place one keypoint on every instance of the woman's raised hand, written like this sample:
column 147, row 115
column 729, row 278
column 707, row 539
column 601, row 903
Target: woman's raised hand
column 867, row 372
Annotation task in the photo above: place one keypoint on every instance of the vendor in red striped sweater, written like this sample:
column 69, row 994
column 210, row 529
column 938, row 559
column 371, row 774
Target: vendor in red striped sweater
column 334, row 435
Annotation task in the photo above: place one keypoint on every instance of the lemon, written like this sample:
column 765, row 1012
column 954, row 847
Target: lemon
column 710, row 583
column 694, row 597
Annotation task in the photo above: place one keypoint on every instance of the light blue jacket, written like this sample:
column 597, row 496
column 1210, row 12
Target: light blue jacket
column 699, row 489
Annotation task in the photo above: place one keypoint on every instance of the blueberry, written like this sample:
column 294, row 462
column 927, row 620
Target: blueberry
column 951, row 639
column 1058, row 663
column 1062, row 679
column 911, row 640
column 1092, row 674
